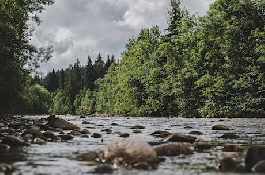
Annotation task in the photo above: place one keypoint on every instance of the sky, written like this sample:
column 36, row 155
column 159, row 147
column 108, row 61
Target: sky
column 78, row 28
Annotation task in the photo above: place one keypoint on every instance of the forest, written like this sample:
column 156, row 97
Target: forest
column 200, row 66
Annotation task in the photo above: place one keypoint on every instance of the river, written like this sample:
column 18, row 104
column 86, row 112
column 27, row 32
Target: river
column 53, row 157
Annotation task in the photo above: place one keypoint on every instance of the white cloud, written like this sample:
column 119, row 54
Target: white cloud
column 80, row 28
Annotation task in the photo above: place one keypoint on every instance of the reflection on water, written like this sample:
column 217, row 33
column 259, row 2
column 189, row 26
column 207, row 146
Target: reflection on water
column 53, row 158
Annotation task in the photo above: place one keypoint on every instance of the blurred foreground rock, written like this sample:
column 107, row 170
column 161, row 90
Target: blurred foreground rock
column 128, row 151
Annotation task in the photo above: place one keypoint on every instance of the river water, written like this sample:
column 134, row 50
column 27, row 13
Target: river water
column 53, row 157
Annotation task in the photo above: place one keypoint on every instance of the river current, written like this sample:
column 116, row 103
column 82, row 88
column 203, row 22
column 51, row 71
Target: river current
column 54, row 157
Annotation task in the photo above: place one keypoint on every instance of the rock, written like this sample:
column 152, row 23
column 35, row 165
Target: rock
column 179, row 138
column 227, row 163
column 137, row 127
column 96, row 135
column 124, row 135
column 229, row 136
column 172, row 149
column 15, row 124
column 230, row 154
column 142, row 166
column 104, row 169
column 66, row 137
column 49, row 134
column 255, row 154
column 57, row 130
column 196, row 133
column 202, row 145
column 259, row 167
column 85, row 131
column 161, row 134
column 39, row 141
column 5, row 169
column 260, row 135
column 108, row 131
column 114, row 124
column 84, row 136
column 14, row 141
column 224, row 120
column 61, row 123
column 35, row 131
column 233, row 148
column 4, row 147
column 188, row 127
column 220, row 127
column 75, row 132
column 128, row 151
column 137, row 131
column 28, row 137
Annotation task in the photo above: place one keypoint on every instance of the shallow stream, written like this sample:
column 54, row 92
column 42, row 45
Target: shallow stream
column 53, row 157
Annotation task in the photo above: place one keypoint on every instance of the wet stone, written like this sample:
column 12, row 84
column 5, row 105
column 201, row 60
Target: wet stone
column 227, row 163
column 96, row 135
column 137, row 131
column 137, row 127
column 124, row 135
column 66, row 137
column 161, row 134
column 233, row 148
column 128, row 151
column 196, row 133
column 61, row 123
column 220, row 127
column 229, row 136
column 202, row 145
column 104, row 169
column 85, row 131
column 14, row 141
column 172, row 149
column 35, row 131
column 49, row 134
column 179, row 138
column 255, row 154
column 259, row 167
column 4, row 147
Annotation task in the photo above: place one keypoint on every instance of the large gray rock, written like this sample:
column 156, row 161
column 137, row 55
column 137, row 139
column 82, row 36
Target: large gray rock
column 254, row 155
column 128, row 151
column 60, row 123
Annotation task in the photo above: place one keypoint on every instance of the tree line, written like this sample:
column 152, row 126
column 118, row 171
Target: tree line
column 72, row 89
column 209, row 66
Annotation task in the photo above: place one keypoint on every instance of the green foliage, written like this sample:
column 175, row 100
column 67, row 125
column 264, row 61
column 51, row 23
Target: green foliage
column 211, row 66
column 18, row 56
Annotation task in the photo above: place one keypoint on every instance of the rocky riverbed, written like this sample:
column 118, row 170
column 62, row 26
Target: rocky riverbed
column 117, row 145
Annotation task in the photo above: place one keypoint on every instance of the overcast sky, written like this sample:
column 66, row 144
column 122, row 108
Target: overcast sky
column 78, row 28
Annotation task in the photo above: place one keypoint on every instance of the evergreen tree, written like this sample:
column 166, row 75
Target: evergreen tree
column 89, row 74
column 99, row 67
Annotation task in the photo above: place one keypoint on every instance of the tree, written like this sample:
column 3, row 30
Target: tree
column 229, row 67
column 52, row 81
column 89, row 74
column 99, row 67
column 18, row 56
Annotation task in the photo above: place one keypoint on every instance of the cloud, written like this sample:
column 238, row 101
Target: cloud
column 80, row 28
